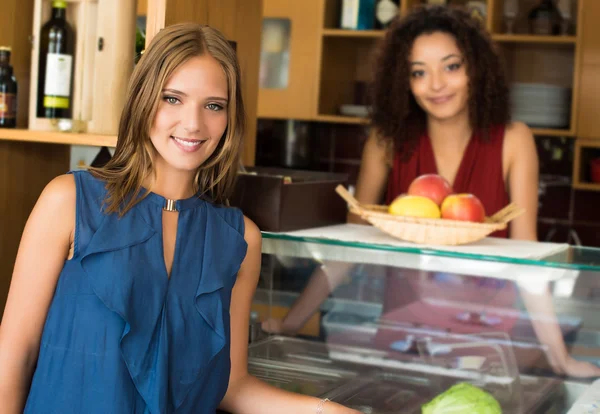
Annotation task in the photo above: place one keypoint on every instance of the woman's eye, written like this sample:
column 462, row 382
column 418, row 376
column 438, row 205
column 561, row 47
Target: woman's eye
column 454, row 66
column 171, row 100
column 417, row 73
column 214, row 107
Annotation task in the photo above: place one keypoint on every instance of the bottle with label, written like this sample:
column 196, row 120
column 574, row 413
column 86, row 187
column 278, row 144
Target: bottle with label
column 8, row 91
column 358, row 14
column 385, row 11
column 55, row 75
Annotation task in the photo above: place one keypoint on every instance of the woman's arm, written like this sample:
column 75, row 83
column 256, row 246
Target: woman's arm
column 246, row 394
column 522, row 163
column 44, row 247
column 372, row 176
column 523, row 181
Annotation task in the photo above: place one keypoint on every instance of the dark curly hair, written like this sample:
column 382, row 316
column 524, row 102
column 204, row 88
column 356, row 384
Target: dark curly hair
column 395, row 114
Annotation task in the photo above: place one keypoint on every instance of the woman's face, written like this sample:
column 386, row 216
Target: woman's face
column 192, row 115
column 438, row 76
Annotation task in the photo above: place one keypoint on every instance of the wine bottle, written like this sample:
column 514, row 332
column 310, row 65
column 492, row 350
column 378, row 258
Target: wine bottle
column 8, row 91
column 55, row 75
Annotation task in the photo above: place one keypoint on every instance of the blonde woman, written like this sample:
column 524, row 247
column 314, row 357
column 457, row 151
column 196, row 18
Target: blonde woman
column 132, row 286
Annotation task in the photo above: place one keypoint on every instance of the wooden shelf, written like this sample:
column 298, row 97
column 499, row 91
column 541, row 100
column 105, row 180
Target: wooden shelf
column 66, row 138
column 340, row 119
column 517, row 38
column 588, row 143
column 586, row 186
column 553, row 132
column 353, row 33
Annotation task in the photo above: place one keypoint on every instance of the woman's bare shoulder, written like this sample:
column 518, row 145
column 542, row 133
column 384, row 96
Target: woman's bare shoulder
column 60, row 190
column 57, row 202
column 252, row 233
column 518, row 138
column 518, row 130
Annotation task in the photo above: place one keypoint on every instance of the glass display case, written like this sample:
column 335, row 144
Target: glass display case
column 385, row 327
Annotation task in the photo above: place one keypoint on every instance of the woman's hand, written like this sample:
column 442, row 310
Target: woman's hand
column 272, row 325
column 574, row 368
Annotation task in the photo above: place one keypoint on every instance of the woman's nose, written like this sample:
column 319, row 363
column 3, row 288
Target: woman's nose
column 193, row 122
column 437, row 81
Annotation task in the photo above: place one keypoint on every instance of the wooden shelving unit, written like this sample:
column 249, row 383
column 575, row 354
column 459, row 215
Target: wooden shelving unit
column 66, row 138
column 344, row 60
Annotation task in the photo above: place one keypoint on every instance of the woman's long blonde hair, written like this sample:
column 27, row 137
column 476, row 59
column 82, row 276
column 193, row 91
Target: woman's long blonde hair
column 133, row 159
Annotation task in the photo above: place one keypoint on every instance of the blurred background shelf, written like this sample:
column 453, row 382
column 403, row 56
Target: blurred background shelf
column 353, row 33
column 518, row 38
column 67, row 138
column 340, row 119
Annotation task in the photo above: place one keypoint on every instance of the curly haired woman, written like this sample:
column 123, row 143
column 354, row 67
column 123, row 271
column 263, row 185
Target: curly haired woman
column 440, row 105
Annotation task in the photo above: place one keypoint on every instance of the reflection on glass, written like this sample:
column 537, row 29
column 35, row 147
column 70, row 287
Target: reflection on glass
column 396, row 327
column 275, row 53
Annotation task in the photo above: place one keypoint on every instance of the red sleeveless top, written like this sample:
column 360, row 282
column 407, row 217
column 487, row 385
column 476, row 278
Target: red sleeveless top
column 480, row 171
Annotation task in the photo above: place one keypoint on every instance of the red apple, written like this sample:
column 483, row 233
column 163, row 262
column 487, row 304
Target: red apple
column 432, row 186
column 465, row 207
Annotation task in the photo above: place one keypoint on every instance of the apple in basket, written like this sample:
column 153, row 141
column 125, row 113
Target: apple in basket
column 432, row 186
column 464, row 207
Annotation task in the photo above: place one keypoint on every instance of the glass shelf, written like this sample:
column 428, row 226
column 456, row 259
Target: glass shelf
column 563, row 262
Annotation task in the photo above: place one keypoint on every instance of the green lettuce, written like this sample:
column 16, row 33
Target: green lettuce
column 462, row 398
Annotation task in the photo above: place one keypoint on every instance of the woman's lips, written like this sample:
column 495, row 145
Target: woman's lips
column 188, row 145
column 440, row 99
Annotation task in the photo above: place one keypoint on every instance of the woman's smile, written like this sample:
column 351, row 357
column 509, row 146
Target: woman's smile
column 188, row 144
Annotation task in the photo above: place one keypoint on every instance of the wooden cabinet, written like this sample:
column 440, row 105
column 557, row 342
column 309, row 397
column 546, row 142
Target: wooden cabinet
column 589, row 102
column 587, row 146
column 589, row 72
column 298, row 47
column 30, row 159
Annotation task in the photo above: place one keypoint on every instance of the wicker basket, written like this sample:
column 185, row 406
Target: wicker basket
column 430, row 231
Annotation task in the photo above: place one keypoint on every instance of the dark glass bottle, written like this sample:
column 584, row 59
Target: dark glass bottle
column 55, row 76
column 8, row 91
column 385, row 12
column 545, row 19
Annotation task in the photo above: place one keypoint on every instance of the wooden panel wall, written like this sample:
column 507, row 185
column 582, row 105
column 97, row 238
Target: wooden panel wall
column 25, row 168
column 589, row 88
column 241, row 21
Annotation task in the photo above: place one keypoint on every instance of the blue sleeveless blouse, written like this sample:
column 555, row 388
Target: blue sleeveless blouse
column 120, row 335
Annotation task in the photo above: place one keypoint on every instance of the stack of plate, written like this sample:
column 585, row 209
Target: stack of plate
column 540, row 105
